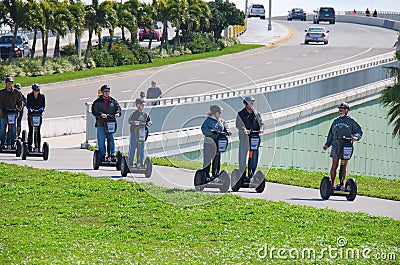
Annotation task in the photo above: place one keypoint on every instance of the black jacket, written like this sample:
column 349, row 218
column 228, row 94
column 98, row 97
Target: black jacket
column 99, row 107
column 138, row 116
column 35, row 103
column 249, row 121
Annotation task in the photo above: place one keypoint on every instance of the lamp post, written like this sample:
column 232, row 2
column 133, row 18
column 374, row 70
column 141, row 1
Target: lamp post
column 269, row 16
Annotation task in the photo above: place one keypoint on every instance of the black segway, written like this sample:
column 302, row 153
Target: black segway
column 350, row 187
column 220, row 180
column 11, row 118
column 36, row 121
column 110, row 126
column 137, row 168
column 252, row 180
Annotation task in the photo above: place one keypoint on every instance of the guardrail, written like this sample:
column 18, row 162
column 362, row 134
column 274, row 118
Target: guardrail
column 235, row 31
column 280, row 94
column 381, row 14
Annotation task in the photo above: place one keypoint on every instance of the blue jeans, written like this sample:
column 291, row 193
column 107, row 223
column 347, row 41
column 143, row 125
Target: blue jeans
column 3, row 126
column 132, row 149
column 19, row 120
column 101, row 141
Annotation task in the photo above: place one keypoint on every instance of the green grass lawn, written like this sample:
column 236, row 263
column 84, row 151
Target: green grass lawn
column 27, row 81
column 366, row 185
column 52, row 217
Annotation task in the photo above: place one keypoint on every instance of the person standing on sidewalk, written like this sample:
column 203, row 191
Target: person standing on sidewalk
column 154, row 92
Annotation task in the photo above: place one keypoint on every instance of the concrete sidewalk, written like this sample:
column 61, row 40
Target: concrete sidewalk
column 257, row 33
column 65, row 154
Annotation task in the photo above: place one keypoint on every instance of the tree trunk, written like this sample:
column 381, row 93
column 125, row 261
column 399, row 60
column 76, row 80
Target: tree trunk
column 89, row 45
column 176, row 38
column 45, row 41
column 123, row 33
column 100, row 44
column 150, row 42
column 57, row 47
column 111, row 40
column 33, row 49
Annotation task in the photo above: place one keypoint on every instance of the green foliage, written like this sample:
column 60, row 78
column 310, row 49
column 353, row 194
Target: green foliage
column 198, row 43
column 49, row 217
column 224, row 14
column 68, row 50
column 224, row 43
column 121, row 54
column 102, row 57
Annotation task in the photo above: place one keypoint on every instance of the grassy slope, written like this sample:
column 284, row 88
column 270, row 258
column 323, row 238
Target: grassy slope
column 49, row 216
column 368, row 186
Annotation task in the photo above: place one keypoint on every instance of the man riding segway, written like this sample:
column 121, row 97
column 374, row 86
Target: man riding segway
column 106, row 110
column 250, row 126
column 343, row 132
column 10, row 106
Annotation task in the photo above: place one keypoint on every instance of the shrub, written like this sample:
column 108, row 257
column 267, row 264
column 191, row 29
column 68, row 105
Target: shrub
column 121, row 54
column 198, row 43
column 102, row 58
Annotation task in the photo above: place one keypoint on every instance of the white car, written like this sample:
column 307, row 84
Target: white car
column 316, row 34
column 256, row 10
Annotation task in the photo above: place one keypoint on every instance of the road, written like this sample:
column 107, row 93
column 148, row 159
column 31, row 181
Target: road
column 348, row 42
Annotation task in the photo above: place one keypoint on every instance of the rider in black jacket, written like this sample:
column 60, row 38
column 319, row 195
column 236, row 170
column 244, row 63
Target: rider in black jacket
column 102, row 108
column 35, row 101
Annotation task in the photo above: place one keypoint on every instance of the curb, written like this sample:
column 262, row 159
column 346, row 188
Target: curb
column 288, row 36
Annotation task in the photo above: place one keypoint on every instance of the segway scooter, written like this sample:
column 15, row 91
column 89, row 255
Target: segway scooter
column 11, row 118
column 137, row 168
column 36, row 121
column 110, row 126
column 252, row 180
column 350, row 187
column 220, row 180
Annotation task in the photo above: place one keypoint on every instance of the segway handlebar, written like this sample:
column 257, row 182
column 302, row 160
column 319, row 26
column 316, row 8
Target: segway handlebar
column 221, row 133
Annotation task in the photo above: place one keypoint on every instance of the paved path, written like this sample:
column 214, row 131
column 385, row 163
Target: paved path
column 65, row 155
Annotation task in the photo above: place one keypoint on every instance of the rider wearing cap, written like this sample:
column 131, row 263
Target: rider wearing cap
column 35, row 101
column 137, row 118
column 212, row 125
column 342, row 127
column 10, row 98
column 105, row 105
column 21, row 113
column 247, row 120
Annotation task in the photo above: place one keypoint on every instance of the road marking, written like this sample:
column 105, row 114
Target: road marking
column 268, row 62
column 84, row 98
column 221, row 73
column 316, row 51
column 126, row 91
column 247, row 67
column 304, row 55
column 193, row 78
column 287, row 59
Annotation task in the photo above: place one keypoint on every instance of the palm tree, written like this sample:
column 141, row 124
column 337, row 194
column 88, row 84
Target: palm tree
column 164, row 12
column 391, row 97
column 199, row 14
column 62, row 16
column 77, row 24
column 109, row 20
column 46, row 25
column 92, row 18
column 180, row 16
column 34, row 18
column 129, row 18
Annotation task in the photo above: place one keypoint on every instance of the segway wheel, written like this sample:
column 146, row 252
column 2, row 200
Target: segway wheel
column 46, row 150
column 96, row 159
column 23, row 136
column 325, row 188
column 199, row 180
column 119, row 160
column 148, row 166
column 236, row 180
column 124, row 166
column 226, row 181
column 24, row 151
column 352, row 186
column 18, row 147
column 259, row 179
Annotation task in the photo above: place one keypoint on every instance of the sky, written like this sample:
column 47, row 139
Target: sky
column 281, row 7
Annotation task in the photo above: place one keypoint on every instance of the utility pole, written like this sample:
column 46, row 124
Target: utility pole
column 269, row 16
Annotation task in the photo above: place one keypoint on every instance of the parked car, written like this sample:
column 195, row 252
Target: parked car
column 105, row 39
column 316, row 34
column 147, row 34
column 256, row 10
column 21, row 47
column 297, row 13
column 324, row 14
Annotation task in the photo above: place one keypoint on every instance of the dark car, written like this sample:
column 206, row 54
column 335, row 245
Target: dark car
column 21, row 47
column 297, row 13
column 324, row 14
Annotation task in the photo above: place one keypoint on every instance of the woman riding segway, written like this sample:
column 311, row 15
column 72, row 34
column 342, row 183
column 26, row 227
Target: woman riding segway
column 139, row 120
column 215, row 131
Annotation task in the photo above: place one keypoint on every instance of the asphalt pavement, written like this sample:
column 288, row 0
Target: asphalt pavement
column 66, row 155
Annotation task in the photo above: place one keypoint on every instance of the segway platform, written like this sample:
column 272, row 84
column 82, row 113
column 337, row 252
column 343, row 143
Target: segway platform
column 326, row 189
column 97, row 161
column 36, row 152
column 17, row 149
column 221, row 182
column 256, row 182
column 146, row 169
